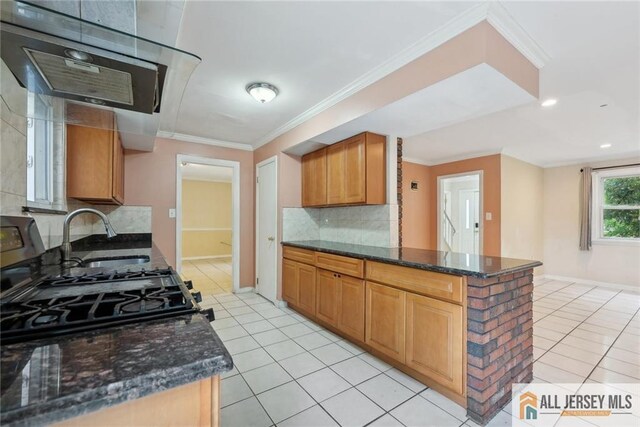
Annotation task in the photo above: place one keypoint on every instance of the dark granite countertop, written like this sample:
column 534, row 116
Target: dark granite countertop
column 443, row 262
column 48, row 380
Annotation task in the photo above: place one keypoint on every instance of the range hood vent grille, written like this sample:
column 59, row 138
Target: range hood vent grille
column 68, row 76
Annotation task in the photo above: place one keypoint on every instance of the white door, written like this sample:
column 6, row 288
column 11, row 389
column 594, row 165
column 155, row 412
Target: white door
column 469, row 221
column 267, row 229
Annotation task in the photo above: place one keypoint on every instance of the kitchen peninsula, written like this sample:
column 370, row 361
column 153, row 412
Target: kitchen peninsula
column 460, row 323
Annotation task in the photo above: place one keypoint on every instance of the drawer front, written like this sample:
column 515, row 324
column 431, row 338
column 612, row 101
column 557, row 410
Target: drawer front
column 429, row 283
column 297, row 254
column 340, row 264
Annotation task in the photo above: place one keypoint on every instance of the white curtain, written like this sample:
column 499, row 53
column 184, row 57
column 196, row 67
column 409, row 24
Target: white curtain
column 585, row 209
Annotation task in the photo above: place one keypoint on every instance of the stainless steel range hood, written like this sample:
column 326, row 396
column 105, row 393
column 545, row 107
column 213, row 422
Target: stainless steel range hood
column 62, row 56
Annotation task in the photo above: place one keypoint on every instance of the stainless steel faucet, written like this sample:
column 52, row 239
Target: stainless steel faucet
column 66, row 243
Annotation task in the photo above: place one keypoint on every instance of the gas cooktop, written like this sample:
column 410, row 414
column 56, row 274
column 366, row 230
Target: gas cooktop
column 65, row 304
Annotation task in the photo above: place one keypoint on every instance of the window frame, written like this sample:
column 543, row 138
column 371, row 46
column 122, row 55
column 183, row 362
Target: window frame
column 31, row 198
column 598, row 207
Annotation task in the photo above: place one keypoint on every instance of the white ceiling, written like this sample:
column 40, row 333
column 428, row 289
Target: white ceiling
column 312, row 50
column 309, row 50
column 207, row 172
column 471, row 93
column 595, row 60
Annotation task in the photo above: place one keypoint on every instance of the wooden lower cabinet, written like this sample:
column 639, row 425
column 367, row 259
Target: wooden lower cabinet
column 385, row 326
column 299, row 285
column 434, row 340
column 290, row 287
column 351, row 306
column 327, row 296
column 194, row 404
column 307, row 288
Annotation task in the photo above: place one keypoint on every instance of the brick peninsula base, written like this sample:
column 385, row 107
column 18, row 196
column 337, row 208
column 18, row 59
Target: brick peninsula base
column 499, row 340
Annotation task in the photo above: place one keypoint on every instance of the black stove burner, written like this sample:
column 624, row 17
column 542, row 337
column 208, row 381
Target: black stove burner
column 104, row 277
column 24, row 320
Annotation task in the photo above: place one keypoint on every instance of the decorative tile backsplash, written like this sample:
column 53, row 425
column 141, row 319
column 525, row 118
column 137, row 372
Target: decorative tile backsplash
column 362, row 225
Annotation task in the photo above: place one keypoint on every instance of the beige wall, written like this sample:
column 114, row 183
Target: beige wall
column 522, row 231
column 206, row 219
column 151, row 180
column 415, row 206
column 611, row 263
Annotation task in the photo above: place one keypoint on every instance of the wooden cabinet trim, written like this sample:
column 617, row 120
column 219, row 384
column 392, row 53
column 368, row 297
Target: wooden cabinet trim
column 340, row 264
column 429, row 283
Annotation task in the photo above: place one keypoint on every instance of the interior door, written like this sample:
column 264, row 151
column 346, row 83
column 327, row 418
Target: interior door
column 266, row 246
column 469, row 221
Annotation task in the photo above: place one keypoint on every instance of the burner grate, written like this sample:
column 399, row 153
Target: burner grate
column 20, row 320
column 102, row 277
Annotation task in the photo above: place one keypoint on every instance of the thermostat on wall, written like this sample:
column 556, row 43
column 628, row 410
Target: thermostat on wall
column 414, row 185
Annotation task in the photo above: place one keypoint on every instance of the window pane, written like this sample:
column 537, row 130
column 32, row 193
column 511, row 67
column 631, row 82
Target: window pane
column 622, row 191
column 621, row 223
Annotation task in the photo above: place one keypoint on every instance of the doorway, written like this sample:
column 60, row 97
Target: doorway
column 460, row 213
column 267, row 228
column 208, row 223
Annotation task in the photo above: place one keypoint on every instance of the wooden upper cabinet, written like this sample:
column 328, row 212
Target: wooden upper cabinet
column 336, row 165
column 314, row 178
column 435, row 340
column 355, row 172
column 95, row 158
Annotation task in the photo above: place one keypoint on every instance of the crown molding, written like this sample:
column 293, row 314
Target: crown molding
column 456, row 26
column 206, row 141
column 452, row 159
column 506, row 25
column 492, row 12
column 415, row 161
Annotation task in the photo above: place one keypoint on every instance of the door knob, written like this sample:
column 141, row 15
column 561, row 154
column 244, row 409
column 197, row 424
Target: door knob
column 271, row 238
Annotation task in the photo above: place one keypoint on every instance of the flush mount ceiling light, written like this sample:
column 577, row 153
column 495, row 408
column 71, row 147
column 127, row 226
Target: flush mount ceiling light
column 262, row 92
column 605, row 146
column 549, row 102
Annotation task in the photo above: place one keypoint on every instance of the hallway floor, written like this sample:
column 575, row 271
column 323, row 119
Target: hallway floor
column 210, row 276
column 292, row 372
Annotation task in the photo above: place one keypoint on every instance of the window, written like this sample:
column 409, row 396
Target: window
column 39, row 150
column 616, row 213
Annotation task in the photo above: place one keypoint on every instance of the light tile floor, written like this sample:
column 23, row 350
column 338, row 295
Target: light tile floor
column 209, row 276
column 291, row 372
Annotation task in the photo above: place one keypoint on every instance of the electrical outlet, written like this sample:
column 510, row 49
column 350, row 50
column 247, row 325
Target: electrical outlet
column 172, row 213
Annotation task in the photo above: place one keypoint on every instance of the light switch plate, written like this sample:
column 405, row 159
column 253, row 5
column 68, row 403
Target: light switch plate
column 172, row 213
column 488, row 216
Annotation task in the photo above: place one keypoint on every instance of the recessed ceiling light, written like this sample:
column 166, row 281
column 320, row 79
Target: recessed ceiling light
column 262, row 92
column 549, row 102
column 605, row 146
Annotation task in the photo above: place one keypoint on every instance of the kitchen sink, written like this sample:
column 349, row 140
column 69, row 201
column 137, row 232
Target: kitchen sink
column 115, row 261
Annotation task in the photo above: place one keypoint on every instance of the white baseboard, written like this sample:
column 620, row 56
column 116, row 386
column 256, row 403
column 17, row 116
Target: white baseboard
column 281, row 304
column 245, row 290
column 618, row 286
column 193, row 258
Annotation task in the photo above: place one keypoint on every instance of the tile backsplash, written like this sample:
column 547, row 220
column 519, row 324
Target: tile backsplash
column 363, row 225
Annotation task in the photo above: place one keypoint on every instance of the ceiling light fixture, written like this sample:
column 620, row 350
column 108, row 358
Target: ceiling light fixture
column 262, row 92
column 549, row 102
column 605, row 146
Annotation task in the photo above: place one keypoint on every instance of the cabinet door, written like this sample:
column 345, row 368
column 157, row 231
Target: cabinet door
column 434, row 337
column 307, row 288
column 385, row 327
column 89, row 163
column 327, row 296
column 118, row 169
column 351, row 307
column 314, row 178
column 355, row 163
column 336, row 174
column 290, row 281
